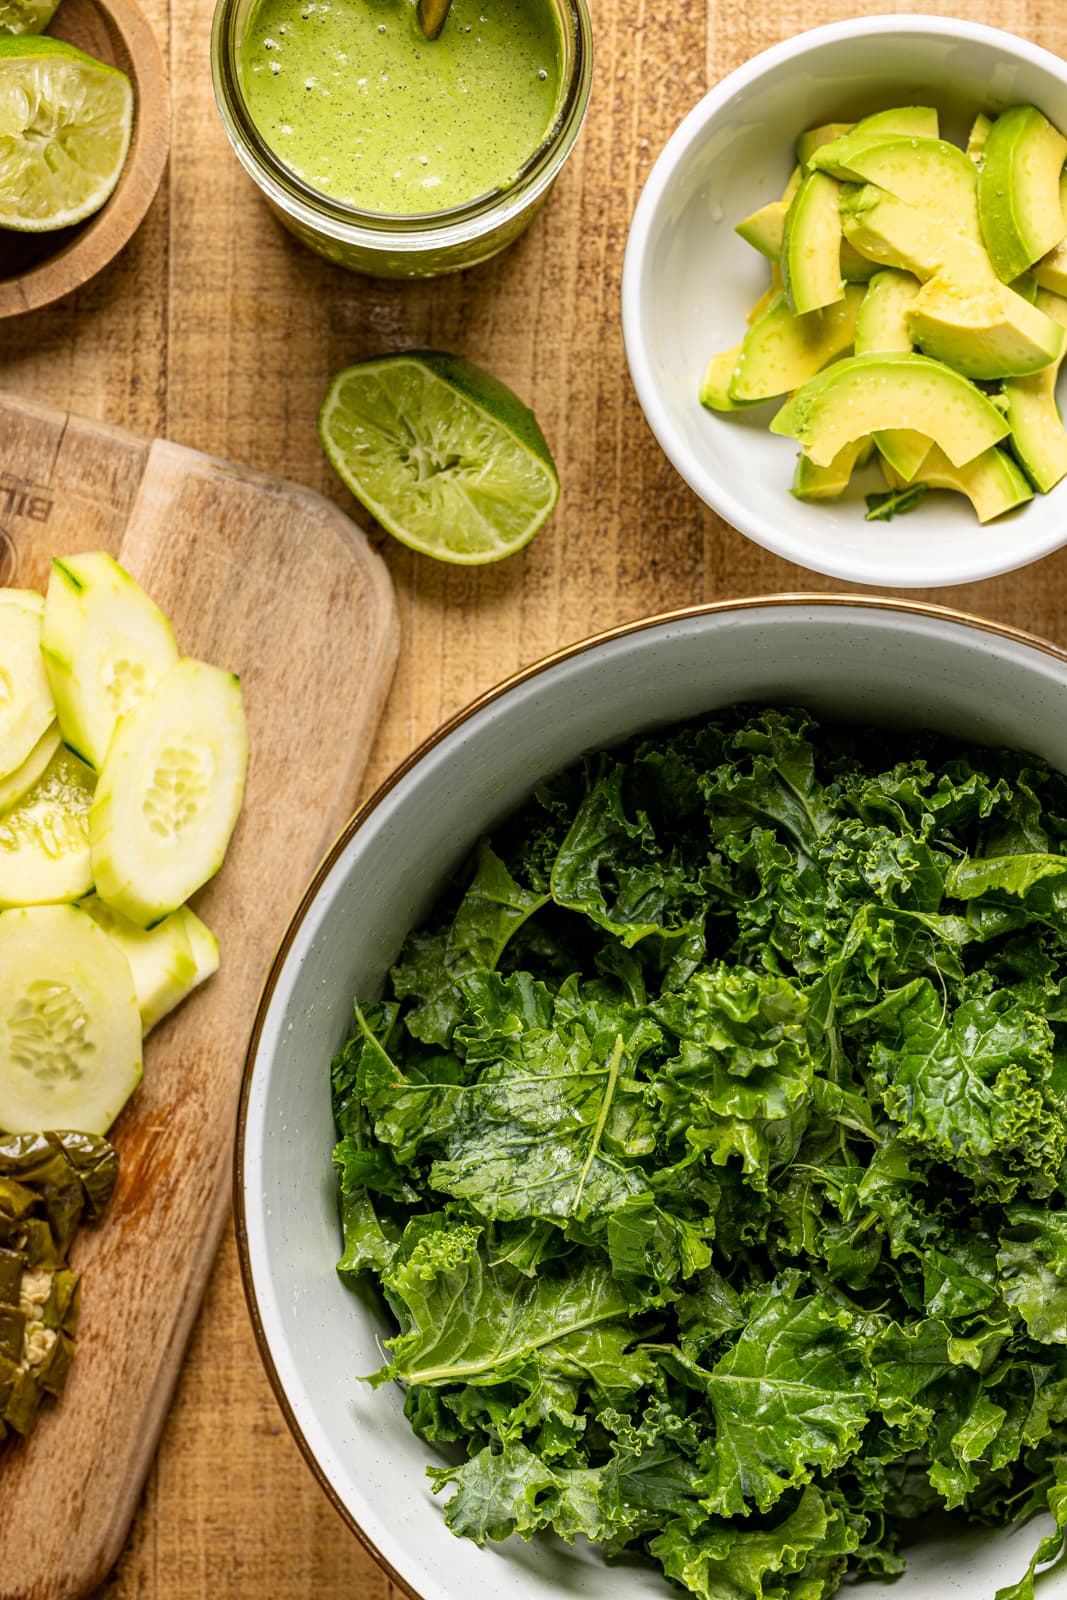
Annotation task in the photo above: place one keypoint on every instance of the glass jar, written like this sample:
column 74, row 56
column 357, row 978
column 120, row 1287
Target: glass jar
column 413, row 246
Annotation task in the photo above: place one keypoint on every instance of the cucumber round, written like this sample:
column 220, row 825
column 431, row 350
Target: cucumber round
column 22, row 780
column 44, row 840
column 26, row 707
column 70, row 1031
column 169, row 793
column 160, row 958
column 105, row 645
column 29, row 599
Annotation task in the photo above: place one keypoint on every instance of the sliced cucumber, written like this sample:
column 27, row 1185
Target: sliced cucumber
column 44, row 840
column 28, row 598
column 106, row 645
column 70, row 1031
column 203, row 944
column 26, row 707
column 167, row 961
column 22, row 780
column 169, row 793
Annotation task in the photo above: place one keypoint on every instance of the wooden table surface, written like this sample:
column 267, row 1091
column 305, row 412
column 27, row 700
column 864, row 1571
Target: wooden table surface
column 216, row 330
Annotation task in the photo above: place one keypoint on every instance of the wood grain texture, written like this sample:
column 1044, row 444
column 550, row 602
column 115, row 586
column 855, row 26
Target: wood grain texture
column 37, row 269
column 216, row 329
column 272, row 582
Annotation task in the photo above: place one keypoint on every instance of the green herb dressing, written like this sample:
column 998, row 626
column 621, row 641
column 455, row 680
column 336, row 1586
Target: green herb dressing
column 356, row 102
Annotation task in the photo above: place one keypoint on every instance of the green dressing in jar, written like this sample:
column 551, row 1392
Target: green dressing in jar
column 357, row 103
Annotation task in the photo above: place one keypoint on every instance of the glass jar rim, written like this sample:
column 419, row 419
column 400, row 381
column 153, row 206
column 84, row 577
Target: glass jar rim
column 401, row 231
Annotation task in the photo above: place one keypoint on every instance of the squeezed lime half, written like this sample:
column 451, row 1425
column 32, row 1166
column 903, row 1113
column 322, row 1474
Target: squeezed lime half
column 445, row 456
column 65, row 125
column 26, row 16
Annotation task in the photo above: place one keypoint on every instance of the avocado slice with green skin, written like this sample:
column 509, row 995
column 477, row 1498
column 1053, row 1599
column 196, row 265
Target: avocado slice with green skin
column 976, row 139
column 813, row 139
column 1051, row 271
column 984, row 331
column 811, row 246
column 854, row 267
column 992, row 482
column 765, row 301
column 781, row 351
column 896, row 234
column 882, row 327
column 715, row 384
column 904, row 450
column 1019, row 190
column 764, row 229
column 862, row 394
column 1037, row 432
column 928, row 173
column 882, row 324
column 908, row 122
column 826, row 483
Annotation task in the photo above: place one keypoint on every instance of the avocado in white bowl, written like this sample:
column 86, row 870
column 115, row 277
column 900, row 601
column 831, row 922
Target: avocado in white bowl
column 690, row 282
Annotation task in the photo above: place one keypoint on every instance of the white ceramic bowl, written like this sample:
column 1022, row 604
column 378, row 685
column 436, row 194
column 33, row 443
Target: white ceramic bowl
column 689, row 282
column 869, row 661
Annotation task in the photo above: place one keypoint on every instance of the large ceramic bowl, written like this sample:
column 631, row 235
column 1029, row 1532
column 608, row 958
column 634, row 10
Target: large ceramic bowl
column 689, row 282
column 882, row 662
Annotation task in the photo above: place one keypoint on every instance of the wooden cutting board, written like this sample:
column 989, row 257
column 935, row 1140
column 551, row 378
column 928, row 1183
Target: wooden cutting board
column 275, row 583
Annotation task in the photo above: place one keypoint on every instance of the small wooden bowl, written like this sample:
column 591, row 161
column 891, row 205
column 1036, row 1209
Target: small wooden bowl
column 38, row 268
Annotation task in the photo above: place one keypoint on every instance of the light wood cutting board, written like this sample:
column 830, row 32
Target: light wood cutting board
column 276, row 584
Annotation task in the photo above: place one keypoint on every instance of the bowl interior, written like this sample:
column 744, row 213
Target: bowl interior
column 862, row 663
column 691, row 281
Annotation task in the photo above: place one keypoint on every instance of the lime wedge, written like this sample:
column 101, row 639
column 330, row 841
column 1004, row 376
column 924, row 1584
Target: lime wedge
column 26, row 16
column 445, row 456
column 65, row 124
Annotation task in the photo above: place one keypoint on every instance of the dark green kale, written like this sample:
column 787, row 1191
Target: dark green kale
column 710, row 1147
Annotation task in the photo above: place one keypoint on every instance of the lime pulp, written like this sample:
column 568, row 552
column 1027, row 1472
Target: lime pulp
column 26, row 16
column 446, row 457
column 65, row 126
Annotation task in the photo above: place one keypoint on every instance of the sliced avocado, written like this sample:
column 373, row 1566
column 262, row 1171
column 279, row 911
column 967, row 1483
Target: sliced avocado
column 813, row 139
column 1051, row 271
column 976, row 139
column 881, row 327
column 862, row 394
column 904, row 450
column 826, row 483
column 1037, row 432
column 763, row 303
column 854, row 267
column 910, row 122
column 896, row 234
column 811, row 246
column 882, row 323
column 983, row 330
column 715, row 384
column 781, row 351
column 928, row 173
column 1019, row 190
column 764, row 229
column 992, row 482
